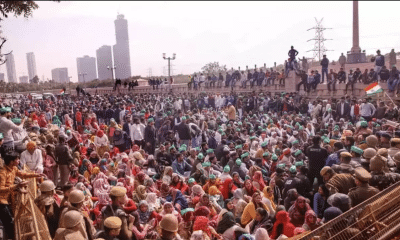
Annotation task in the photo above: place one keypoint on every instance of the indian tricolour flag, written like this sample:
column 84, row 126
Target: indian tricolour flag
column 373, row 88
column 62, row 91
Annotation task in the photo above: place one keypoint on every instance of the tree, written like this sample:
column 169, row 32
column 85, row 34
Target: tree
column 18, row 8
column 35, row 79
column 213, row 68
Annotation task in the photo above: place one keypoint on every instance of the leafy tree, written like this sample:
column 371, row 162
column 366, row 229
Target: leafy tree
column 35, row 79
column 213, row 68
column 18, row 8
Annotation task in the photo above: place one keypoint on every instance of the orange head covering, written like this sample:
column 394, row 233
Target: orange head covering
column 30, row 146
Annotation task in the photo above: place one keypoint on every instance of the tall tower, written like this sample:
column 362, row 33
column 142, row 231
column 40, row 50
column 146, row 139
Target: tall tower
column 86, row 65
column 122, row 60
column 10, row 65
column 104, row 59
column 30, row 59
column 355, row 55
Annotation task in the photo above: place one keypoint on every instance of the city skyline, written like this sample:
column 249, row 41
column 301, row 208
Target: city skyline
column 170, row 27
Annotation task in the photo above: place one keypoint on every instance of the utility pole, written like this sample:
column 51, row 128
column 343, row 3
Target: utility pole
column 319, row 46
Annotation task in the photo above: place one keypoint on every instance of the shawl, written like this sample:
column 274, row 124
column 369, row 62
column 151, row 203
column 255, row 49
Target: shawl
column 227, row 221
column 312, row 226
column 264, row 223
column 282, row 217
column 165, row 190
column 269, row 196
column 251, row 191
column 140, row 194
column 226, row 189
column 201, row 223
column 257, row 177
column 297, row 215
column 83, row 168
column 144, row 216
column 152, row 201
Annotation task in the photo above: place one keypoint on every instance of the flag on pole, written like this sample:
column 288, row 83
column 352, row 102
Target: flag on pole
column 62, row 91
column 373, row 88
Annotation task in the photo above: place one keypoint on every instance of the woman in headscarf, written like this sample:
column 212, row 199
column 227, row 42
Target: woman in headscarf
column 249, row 212
column 68, row 121
column 260, row 221
column 282, row 225
column 291, row 198
column 216, row 197
column 205, row 202
column 268, row 199
column 111, row 130
column 239, row 203
column 101, row 142
column 103, row 165
column 143, row 231
column 153, row 201
column 178, row 183
column 174, row 196
column 228, row 188
column 139, row 194
column 88, row 203
column 258, row 181
column 139, row 179
column 86, row 169
column 48, row 162
column 202, row 222
column 168, row 208
column 121, row 140
column 146, row 214
column 150, row 186
column 197, row 192
column 227, row 225
column 212, row 181
column 261, row 234
column 311, row 221
column 236, row 180
column 167, row 176
column 248, row 190
column 297, row 211
column 94, row 158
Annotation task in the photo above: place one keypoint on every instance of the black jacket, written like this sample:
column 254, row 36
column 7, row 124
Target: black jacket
column 183, row 131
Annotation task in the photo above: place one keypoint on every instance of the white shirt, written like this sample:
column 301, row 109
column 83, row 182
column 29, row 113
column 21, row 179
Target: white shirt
column 33, row 161
column 7, row 127
column 101, row 141
column 135, row 132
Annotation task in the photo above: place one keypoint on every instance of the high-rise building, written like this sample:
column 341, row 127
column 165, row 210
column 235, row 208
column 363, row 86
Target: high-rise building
column 10, row 65
column 86, row 68
column 122, row 60
column 104, row 59
column 2, row 77
column 60, row 75
column 30, row 59
column 24, row 79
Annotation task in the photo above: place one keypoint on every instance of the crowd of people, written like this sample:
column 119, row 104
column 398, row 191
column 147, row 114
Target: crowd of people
column 204, row 166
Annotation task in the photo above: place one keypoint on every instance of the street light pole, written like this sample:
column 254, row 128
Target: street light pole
column 69, row 84
column 169, row 63
column 83, row 76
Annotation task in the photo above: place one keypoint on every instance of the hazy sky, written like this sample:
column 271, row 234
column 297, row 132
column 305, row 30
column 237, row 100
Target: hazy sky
column 232, row 33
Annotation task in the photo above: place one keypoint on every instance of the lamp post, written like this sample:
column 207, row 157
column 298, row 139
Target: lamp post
column 69, row 84
column 83, row 77
column 169, row 63
column 112, row 73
